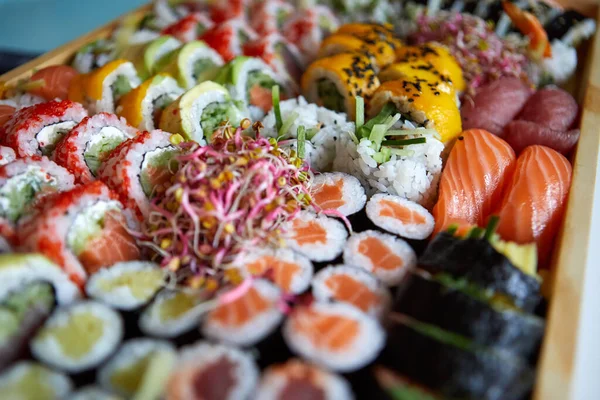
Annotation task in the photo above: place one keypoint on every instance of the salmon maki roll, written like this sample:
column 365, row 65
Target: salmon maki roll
column 336, row 336
column 352, row 285
column 212, row 372
column 338, row 191
column 385, row 256
column 400, row 216
column 248, row 319
column 290, row 271
column 316, row 236
column 297, row 379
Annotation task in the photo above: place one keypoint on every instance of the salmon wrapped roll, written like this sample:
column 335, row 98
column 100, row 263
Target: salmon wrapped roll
column 422, row 104
column 229, row 38
column 189, row 27
column 334, row 82
column 143, row 106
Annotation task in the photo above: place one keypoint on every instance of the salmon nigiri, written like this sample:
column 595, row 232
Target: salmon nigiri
column 54, row 82
column 534, row 202
column 473, row 181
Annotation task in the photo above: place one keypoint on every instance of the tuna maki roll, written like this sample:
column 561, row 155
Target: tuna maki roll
column 29, row 380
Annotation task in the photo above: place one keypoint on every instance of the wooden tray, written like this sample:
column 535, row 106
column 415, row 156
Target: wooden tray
column 570, row 259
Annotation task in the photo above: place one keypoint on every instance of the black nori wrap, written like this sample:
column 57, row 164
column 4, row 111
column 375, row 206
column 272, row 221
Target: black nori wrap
column 478, row 262
column 432, row 302
column 464, row 371
column 558, row 26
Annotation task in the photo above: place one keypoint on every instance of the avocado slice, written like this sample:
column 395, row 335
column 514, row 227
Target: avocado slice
column 154, row 52
column 190, row 67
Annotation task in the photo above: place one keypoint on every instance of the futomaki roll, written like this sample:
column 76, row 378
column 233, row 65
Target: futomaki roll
column 78, row 337
column 307, row 28
column 36, row 130
column 124, row 373
column 298, row 379
column 199, row 112
column 82, row 230
column 248, row 319
column 284, row 57
column 144, row 105
column 7, row 155
column 352, row 285
column 212, row 372
column 189, row 27
column 85, row 147
column 229, row 38
column 269, row 15
column 140, row 167
column 192, row 63
column 30, row 380
column 290, row 271
column 126, row 285
column 336, row 336
column 337, row 191
column 385, row 256
column 94, row 55
column 400, row 216
column 316, row 236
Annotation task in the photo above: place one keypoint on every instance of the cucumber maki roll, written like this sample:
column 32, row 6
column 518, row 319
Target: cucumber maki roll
column 79, row 337
column 28, row 380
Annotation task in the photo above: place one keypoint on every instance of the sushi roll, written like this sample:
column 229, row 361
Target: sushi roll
column 281, row 55
column 403, row 217
column 335, row 336
column 79, row 337
column 7, row 155
column 140, row 167
column 316, row 236
column 168, row 12
column 307, row 28
column 269, row 16
column 334, row 82
column 337, row 191
column 188, row 28
column 248, row 319
column 30, row 380
column 126, row 285
column 146, row 57
column 94, row 55
column 227, row 10
column 143, row 106
column 351, row 285
column 82, row 230
column 401, row 388
column 85, row 147
column 124, row 374
column 93, row 393
column 290, row 271
column 192, row 63
column 306, row 381
column 229, row 38
column 250, row 81
column 212, row 372
column 35, row 130
column 198, row 112
column 385, row 256
column 570, row 28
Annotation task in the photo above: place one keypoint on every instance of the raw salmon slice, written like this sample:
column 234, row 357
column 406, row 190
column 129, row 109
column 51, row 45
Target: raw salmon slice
column 380, row 255
column 401, row 213
column 329, row 196
column 290, row 271
column 309, row 232
column 56, row 82
column 350, row 290
column 261, row 97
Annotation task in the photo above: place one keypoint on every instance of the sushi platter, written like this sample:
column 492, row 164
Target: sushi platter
column 277, row 199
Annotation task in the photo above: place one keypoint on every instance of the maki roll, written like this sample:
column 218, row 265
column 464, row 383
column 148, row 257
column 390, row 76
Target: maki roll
column 269, row 16
column 191, row 64
column 146, row 57
column 400, row 216
column 140, row 167
column 126, row 372
column 298, row 379
column 316, row 236
column 290, row 271
column 94, row 55
column 30, row 380
column 126, row 285
column 188, row 28
column 79, row 337
column 385, row 256
column 336, row 336
column 85, row 147
column 281, row 55
column 308, row 27
column 144, row 105
column 82, row 230
column 212, row 372
column 228, row 38
column 570, row 28
column 466, row 309
column 199, row 112
column 334, row 82
column 7, row 155
column 338, row 191
column 93, row 393
column 352, row 285
column 35, row 130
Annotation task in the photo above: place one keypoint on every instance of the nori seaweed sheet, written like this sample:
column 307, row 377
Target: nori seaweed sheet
column 558, row 26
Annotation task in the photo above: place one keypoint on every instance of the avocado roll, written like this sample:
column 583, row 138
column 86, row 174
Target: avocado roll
column 79, row 337
column 146, row 56
column 191, row 64
column 94, row 55
column 452, row 364
column 570, row 27
column 126, row 285
column 93, row 393
column 334, row 82
column 125, row 372
column 478, row 262
column 199, row 112
column 29, row 380
column 85, row 147
column 144, row 105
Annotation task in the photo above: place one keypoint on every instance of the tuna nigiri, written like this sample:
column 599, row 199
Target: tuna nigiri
column 535, row 197
column 54, row 82
column 472, row 182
